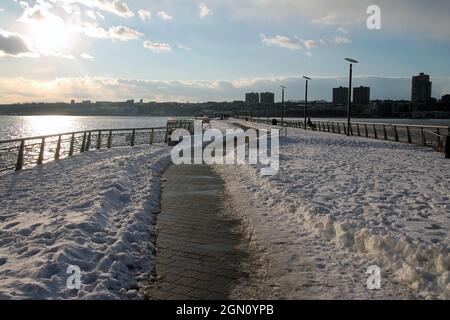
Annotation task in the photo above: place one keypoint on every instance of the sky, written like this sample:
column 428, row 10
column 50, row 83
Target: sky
column 189, row 50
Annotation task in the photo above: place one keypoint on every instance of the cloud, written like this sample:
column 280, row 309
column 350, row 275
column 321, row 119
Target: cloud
column 180, row 46
column 204, row 11
column 91, row 14
column 123, row 33
column 116, row 7
column 417, row 18
column 86, row 56
column 157, row 46
column 164, row 15
column 282, row 41
column 15, row 45
column 144, row 15
column 120, row 89
column 296, row 43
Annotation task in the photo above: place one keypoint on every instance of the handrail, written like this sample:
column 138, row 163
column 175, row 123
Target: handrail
column 76, row 132
column 36, row 150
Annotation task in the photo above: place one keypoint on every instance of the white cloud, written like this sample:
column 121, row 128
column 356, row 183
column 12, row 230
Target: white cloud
column 164, row 15
column 182, row 47
column 296, row 43
column 86, row 56
column 123, row 33
column 15, row 45
column 119, row 89
column 157, row 46
column 116, row 7
column 91, row 14
column 341, row 40
column 2, row 10
column 342, row 30
column 282, row 41
column 204, row 11
column 144, row 15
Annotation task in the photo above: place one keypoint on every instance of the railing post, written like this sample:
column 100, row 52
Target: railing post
column 110, row 136
column 83, row 143
column 152, row 135
column 166, row 136
column 350, row 127
column 133, row 136
column 395, row 133
column 424, row 139
column 58, row 148
column 41, row 152
column 345, row 128
column 439, row 140
column 99, row 140
column 357, row 128
column 408, row 133
column 88, row 142
column 366, row 130
column 447, row 147
column 385, row 132
column 72, row 142
column 375, row 131
column 19, row 164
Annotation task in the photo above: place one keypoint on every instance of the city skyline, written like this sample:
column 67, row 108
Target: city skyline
column 58, row 50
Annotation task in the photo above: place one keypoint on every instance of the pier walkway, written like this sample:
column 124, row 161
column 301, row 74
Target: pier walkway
column 198, row 255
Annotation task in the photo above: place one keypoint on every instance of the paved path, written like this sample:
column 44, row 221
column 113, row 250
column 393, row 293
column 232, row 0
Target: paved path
column 197, row 244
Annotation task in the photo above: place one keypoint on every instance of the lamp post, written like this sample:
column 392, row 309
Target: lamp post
column 282, row 105
column 351, row 61
column 305, row 110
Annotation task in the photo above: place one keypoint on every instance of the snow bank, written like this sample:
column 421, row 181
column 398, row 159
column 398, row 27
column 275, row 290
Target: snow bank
column 388, row 201
column 94, row 210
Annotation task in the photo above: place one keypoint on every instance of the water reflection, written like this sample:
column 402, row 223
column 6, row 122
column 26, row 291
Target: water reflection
column 45, row 125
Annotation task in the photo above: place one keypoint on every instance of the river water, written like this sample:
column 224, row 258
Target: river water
column 12, row 127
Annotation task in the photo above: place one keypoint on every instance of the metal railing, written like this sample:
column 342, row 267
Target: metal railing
column 427, row 136
column 17, row 154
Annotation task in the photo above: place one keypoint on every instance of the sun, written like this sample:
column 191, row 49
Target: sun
column 50, row 35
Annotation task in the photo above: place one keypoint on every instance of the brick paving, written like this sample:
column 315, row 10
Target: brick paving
column 198, row 253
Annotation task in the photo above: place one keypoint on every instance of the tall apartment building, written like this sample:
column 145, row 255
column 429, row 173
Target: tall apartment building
column 421, row 89
column 361, row 95
column 267, row 97
column 340, row 95
column 252, row 97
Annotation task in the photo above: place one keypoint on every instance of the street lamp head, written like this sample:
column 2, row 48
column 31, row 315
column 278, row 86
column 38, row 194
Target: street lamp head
column 351, row 60
column 283, row 87
column 307, row 78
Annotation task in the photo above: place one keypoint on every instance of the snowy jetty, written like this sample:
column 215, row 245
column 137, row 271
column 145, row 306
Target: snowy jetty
column 94, row 210
column 383, row 202
column 386, row 201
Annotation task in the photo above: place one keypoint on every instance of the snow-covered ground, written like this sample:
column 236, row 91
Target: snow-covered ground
column 379, row 203
column 94, row 210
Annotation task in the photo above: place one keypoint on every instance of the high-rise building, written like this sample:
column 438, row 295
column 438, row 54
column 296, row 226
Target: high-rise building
column 340, row 95
column 267, row 97
column 421, row 89
column 252, row 97
column 361, row 95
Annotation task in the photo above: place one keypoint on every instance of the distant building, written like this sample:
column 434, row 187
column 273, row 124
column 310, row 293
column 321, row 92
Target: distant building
column 361, row 95
column 86, row 102
column 141, row 101
column 267, row 97
column 446, row 100
column 72, row 101
column 421, row 89
column 252, row 97
column 340, row 95
column 130, row 101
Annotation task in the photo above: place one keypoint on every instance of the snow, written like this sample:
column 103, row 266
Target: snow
column 377, row 202
column 94, row 210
